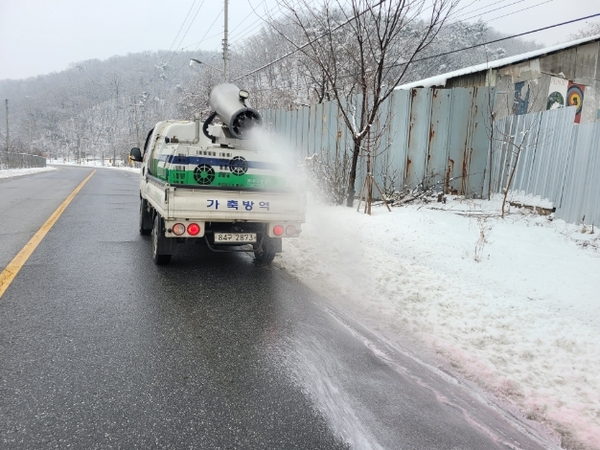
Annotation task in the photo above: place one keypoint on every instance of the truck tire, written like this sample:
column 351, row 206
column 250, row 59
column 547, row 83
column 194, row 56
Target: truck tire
column 161, row 246
column 265, row 252
column 145, row 218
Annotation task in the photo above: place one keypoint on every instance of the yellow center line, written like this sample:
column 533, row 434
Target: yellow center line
column 11, row 271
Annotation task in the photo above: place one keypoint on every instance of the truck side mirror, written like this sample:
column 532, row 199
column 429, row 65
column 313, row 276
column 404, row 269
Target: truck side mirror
column 136, row 154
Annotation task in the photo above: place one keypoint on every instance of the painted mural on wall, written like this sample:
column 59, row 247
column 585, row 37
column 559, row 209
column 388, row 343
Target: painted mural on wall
column 557, row 93
column 575, row 98
column 521, row 99
column 565, row 93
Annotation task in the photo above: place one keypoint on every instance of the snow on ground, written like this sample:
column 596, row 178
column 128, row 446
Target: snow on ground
column 11, row 173
column 512, row 304
column 95, row 164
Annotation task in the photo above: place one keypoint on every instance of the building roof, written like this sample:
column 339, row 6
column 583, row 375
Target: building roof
column 440, row 80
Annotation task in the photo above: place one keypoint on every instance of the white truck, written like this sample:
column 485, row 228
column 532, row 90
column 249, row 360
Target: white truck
column 214, row 182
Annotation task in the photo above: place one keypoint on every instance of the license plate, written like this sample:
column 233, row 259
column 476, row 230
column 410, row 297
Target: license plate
column 235, row 238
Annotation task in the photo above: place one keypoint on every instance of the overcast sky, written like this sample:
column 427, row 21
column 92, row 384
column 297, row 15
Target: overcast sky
column 42, row 36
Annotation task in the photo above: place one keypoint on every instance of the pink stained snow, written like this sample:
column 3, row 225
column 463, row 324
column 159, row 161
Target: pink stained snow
column 512, row 304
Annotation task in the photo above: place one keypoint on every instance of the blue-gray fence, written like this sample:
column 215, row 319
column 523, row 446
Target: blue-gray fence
column 422, row 137
column 444, row 139
column 556, row 159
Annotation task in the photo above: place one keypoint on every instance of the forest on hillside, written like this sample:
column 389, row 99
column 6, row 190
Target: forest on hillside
column 100, row 109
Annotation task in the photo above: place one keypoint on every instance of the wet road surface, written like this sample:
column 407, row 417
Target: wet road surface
column 100, row 348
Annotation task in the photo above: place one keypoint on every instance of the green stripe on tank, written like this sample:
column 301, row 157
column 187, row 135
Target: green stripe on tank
column 223, row 179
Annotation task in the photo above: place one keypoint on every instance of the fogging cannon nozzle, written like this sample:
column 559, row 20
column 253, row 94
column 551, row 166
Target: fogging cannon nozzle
column 228, row 101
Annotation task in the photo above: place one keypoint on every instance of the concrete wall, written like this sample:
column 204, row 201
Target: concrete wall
column 535, row 84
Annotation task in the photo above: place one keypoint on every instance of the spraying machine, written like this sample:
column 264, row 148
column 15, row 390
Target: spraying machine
column 216, row 182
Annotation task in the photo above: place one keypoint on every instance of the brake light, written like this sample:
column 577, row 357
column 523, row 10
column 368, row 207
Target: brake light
column 278, row 230
column 178, row 229
column 193, row 229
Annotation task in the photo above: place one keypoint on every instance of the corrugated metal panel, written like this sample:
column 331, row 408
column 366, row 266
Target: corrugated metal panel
column 302, row 131
column 319, row 145
column 443, row 136
column 353, row 105
column 398, row 136
column 468, row 80
column 556, row 130
column 439, row 136
column 476, row 152
column 418, row 137
column 558, row 160
column 543, row 140
column 380, row 146
column 287, row 126
column 460, row 112
column 329, row 127
column 580, row 202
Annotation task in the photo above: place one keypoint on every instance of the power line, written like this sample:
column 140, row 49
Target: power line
column 170, row 58
column 252, row 25
column 460, row 12
column 182, row 25
column 255, row 25
column 486, row 12
column 520, row 10
column 287, row 55
column 204, row 37
column 426, row 57
column 191, row 23
column 500, row 39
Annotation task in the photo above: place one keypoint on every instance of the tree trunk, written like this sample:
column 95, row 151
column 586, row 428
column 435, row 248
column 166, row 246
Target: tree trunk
column 352, row 177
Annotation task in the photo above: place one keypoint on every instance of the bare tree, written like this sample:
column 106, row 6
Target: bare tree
column 591, row 29
column 364, row 51
column 514, row 137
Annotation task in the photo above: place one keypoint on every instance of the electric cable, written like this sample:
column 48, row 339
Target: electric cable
column 486, row 12
column 501, row 39
column 426, row 57
column 204, row 38
column 519, row 10
column 297, row 49
column 460, row 12
column 182, row 25
column 170, row 58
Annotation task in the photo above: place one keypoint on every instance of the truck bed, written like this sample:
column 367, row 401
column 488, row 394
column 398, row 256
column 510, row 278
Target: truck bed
column 223, row 205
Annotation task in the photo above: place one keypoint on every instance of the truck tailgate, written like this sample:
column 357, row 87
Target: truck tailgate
column 220, row 205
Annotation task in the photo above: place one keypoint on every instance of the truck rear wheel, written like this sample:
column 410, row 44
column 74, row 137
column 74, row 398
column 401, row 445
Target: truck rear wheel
column 161, row 246
column 145, row 218
column 266, row 250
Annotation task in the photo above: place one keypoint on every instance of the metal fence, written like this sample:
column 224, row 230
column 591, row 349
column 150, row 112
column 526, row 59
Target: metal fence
column 444, row 138
column 11, row 160
column 422, row 137
column 555, row 159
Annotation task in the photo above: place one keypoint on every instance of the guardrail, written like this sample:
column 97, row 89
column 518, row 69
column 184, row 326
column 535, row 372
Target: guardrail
column 10, row 160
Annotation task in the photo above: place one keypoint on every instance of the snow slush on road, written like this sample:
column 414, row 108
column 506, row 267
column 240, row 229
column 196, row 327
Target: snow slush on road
column 216, row 182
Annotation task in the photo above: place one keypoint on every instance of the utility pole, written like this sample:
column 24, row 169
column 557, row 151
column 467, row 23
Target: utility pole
column 137, row 127
column 6, row 125
column 225, row 45
column 7, row 140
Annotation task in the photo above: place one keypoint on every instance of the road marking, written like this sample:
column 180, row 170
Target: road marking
column 11, row 271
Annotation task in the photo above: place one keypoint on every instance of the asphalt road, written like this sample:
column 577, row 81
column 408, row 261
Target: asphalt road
column 100, row 348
